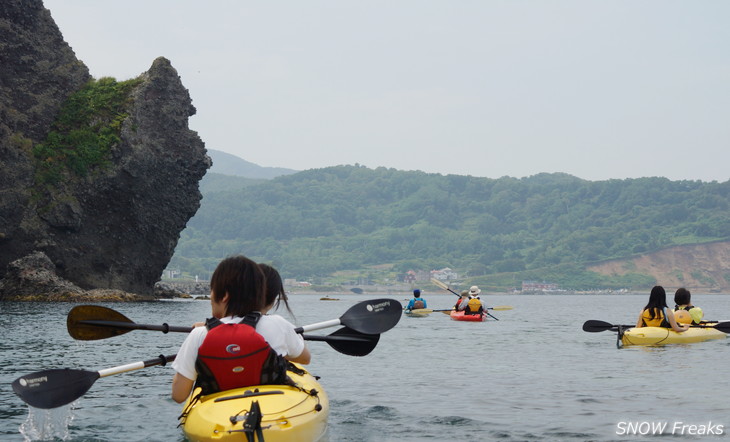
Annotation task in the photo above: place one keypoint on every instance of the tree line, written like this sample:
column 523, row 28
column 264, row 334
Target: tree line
column 316, row 223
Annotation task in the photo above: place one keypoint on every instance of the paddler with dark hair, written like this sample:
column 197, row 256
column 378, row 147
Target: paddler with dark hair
column 209, row 356
column 275, row 293
column 684, row 311
column 656, row 313
column 416, row 302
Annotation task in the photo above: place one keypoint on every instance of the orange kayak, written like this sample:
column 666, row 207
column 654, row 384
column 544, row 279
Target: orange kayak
column 460, row 316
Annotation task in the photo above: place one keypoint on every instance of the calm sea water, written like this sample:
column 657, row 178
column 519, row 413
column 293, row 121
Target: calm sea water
column 533, row 375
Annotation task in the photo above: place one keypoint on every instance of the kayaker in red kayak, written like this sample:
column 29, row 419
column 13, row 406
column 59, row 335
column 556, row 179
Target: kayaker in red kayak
column 464, row 298
column 474, row 304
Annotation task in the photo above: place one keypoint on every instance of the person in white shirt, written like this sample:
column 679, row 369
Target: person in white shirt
column 238, row 289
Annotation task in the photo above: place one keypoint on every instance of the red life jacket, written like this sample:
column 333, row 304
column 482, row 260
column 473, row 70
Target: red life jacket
column 236, row 355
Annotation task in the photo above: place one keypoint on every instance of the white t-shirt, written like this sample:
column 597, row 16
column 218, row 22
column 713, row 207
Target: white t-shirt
column 277, row 331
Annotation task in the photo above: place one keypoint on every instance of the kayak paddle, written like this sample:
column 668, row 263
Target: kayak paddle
column 94, row 322
column 440, row 284
column 348, row 341
column 54, row 388
column 370, row 317
column 593, row 326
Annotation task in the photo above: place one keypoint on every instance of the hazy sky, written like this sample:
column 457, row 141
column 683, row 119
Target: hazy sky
column 596, row 89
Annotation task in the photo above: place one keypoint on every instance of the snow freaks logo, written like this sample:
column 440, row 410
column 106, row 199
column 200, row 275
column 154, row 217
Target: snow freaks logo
column 676, row 428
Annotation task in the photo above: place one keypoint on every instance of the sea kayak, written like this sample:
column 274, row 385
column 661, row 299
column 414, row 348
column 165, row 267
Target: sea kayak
column 460, row 316
column 286, row 413
column 418, row 312
column 661, row 335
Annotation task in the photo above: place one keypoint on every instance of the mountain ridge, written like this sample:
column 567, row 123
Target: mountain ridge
column 229, row 164
column 494, row 231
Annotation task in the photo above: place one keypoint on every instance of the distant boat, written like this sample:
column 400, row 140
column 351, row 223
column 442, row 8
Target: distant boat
column 326, row 298
column 357, row 290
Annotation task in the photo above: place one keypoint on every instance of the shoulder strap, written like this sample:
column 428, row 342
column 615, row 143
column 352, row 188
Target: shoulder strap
column 251, row 319
column 211, row 323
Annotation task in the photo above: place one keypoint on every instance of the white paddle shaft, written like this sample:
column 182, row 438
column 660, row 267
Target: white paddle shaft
column 320, row 325
column 121, row 369
column 162, row 360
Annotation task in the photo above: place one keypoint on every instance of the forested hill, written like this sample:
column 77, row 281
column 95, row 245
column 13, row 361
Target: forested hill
column 380, row 222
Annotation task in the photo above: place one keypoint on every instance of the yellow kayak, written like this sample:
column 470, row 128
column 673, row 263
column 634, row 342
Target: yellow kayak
column 418, row 312
column 287, row 413
column 661, row 335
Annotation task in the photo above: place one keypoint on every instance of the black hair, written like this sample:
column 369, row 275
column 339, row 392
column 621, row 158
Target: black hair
column 682, row 296
column 657, row 301
column 275, row 293
column 245, row 283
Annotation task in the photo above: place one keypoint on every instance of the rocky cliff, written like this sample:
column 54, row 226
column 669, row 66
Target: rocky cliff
column 702, row 268
column 116, row 225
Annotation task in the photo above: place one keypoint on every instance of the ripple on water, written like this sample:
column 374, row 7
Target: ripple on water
column 51, row 424
column 530, row 376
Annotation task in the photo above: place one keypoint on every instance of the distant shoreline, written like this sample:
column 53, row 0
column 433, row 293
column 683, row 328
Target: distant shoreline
column 200, row 288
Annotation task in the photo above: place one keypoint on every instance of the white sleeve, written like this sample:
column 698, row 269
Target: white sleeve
column 294, row 341
column 280, row 335
column 184, row 362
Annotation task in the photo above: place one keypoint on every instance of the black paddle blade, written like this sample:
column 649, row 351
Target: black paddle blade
column 353, row 343
column 88, row 332
column 54, row 388
column 723, row 326
column 374, row 316
column 593, row 326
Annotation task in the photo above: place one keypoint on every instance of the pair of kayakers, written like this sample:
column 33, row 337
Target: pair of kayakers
column 657, row 314
column 240, row 345
column 470, row 302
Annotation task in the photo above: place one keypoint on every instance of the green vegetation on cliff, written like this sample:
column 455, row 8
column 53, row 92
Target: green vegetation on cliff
column 546, row 227
column 85, row 130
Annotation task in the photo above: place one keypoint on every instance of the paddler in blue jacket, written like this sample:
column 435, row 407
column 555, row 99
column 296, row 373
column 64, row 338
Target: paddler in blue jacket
column 417, row 302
